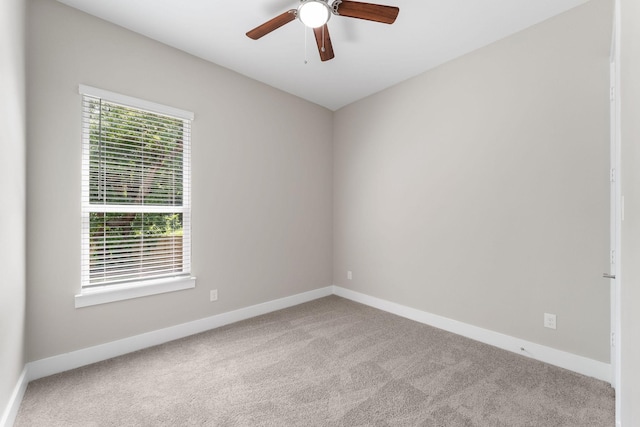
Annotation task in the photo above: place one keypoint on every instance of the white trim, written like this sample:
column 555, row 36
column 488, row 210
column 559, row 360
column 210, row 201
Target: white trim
column 618, row 202
column 11, row 410
column 64, row 362
column 111, row 293
column 75, row 359
column 573, row 362
column 130, row 101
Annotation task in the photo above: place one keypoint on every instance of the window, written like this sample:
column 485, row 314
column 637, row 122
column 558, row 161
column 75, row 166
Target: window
column 136, row 206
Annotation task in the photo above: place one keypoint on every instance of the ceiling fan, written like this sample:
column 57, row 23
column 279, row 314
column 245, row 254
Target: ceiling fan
column 315, row 14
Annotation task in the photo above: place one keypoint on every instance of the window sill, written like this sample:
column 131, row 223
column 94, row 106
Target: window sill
column 112, row 293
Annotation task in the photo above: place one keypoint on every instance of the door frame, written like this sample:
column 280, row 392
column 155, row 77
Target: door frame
column 616, row 211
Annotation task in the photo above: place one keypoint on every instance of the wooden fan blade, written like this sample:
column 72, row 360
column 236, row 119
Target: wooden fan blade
column 368, row 11
column 273, row 24
column 324, row 43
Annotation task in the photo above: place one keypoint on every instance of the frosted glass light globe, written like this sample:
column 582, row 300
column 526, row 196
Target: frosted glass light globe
column 314, row 13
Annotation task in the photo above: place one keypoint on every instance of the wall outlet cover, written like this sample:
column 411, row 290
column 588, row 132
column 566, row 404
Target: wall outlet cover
column 550, row 321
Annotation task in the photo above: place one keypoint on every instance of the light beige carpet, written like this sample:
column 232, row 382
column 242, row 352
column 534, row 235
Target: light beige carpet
column 330, row 362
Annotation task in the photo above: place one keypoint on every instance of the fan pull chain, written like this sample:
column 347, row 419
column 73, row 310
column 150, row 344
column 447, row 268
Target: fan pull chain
column 305, row 43
column 323, row 38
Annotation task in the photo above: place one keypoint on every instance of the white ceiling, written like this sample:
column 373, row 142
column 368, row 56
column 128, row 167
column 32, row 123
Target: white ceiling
column 369, row 56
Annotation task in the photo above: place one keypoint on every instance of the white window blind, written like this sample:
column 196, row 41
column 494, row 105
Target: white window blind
column 135, row 190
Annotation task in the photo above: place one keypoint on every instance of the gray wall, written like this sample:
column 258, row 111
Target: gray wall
column 630, row 121
column 478, row 191
column 12, row 213
column 261, row 165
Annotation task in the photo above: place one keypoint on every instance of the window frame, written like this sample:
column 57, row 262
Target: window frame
column 110, row 292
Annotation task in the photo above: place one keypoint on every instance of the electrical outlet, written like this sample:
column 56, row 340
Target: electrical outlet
column 213, row 295
column 349, row 275
column 550, row 321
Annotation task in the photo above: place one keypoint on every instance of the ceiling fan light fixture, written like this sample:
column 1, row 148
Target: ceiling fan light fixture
column 314, row 13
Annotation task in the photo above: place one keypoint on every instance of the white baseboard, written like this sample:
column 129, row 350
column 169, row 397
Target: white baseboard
column 67, row 361
column 64, row 362
column 570, row 361
column 11, row 411
column 75, row 359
